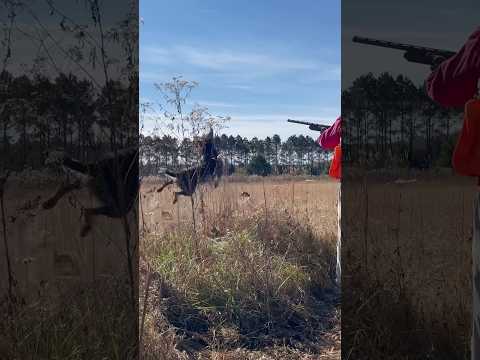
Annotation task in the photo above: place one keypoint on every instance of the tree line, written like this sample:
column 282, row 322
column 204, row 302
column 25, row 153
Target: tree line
column 387, row 122
column 392, row 122
column 86, row 107
column 296, row 155
column 38, row 114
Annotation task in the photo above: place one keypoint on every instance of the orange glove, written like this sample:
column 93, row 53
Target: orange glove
column 335, row 170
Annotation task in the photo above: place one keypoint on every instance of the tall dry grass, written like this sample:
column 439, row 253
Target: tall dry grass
column 407, row 269
column 251, row 280
column 89, row 324
column 70, row 297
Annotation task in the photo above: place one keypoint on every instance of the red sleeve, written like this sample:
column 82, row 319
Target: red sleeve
column 454, row 82
column 330, row 138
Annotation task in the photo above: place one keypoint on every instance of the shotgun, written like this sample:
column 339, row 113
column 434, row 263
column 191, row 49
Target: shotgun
column 311, row 126
column 413, row 53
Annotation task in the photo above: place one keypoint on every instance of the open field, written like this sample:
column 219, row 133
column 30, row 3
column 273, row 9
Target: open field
column 312, row 200
column 70, row 295
column 406, row 270
column 253, row 279
column 46, row 246
column 406, row 252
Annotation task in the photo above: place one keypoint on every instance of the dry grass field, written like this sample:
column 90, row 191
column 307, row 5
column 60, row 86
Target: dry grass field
column 70, row 298
column 406, row 254
column 311, row 200
column 251, row 278
column 46, row 244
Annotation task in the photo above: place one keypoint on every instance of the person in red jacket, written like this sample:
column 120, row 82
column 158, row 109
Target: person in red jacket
column 330, row 139
column 455, row 80
column 452, row 84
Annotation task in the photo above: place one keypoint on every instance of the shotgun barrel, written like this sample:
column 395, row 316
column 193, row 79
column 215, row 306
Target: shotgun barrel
column 311, row 126
column 413, row 53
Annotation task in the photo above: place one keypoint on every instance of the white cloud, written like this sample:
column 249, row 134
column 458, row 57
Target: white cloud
column 326, row 73
column 239, row 87
column 226, row 59
column 151, row 76
column 216, row 104
column 155, row 55
column 238, row 69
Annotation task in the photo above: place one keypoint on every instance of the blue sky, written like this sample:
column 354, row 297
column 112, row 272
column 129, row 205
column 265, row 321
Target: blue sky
column 259, row 62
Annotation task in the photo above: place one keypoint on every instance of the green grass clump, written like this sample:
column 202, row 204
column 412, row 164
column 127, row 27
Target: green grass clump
column 257, row 283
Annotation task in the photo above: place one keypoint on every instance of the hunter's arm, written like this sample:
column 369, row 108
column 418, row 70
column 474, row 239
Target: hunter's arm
column 330, row 138
column 454, row 81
